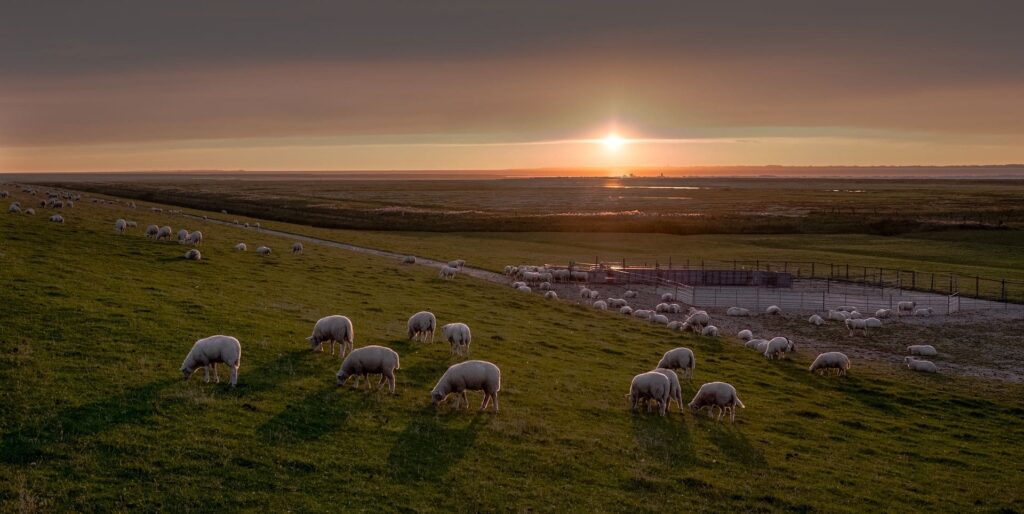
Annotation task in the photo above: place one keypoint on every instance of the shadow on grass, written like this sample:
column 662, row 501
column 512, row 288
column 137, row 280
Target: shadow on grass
column 734, row 445
column 431, row 444
column 664, row 438
column 320, row 413
column 132, row 406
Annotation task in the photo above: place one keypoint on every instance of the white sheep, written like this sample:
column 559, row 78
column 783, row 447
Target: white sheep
column 816, row 320
column 660, row 319
column 854, row 315
column 926, row 350
column 745, row 335
column 681, row 359
column 668, row 297
column 872, row 322
column 856, row 324
column 846, row 308
column 296, row 247
column 627, row 310
column 263, row 250
column 924, row 312
column 120, row 226
column 650, row 386
column 468, row 376
column 30, row 212
column 778, row 347
column 883, row 313
column 132, row 224
column 182, row 236
column 836, row 315
column 164, row 233
column 448, row 272
column 674, row 308
column 257, row 225
column 643, row 314
column 241, row 247
column 600, row 305
column 616, row 303
column 675, row 325
column 921, row 365
column 524, row 289
column 546, row 286
column 757, row 344
column 210, row 351
column 193, row 255
column 629, row 294
column 698, row 319
column 831, row 360
column 737, row 311
column 773, row 310
column 551, row 295
column 717, row 394
column 907, row 306
column 421, row 326
column 409, row 259
column 710, row 331
column 458, row 336
column 675, row 392
column 662, row 307
column 370, row 360
column 195, row 238
column 57, row 218
column 152, row 230
column 335, row 328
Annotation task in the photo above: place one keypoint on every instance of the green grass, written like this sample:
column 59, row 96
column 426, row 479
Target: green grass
column 94, row 416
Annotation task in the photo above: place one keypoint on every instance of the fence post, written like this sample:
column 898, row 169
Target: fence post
column 812, row 269
column 823, row 300
column 670, row 262
column 977, row 289
column 847, row 272
column 913, row 280
column 1002, row 294
column 932, row 288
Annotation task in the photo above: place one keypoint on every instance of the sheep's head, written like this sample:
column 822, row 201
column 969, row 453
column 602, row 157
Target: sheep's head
column 436, row 396
column 187, row 372
column 342, row 377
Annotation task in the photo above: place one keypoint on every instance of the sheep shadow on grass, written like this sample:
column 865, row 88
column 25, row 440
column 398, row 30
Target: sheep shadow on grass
column 432, row 444
column 664, row 438
column 316, row 415
column 734, row 445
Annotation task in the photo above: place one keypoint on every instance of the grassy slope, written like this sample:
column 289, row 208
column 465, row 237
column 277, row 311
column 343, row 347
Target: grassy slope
column 93, row 414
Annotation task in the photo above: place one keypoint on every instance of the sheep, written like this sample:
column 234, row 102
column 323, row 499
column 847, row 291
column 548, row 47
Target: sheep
column 246, row 224
column 524, row 289
column 57, row 218
column 675, row 392
column 193, row 255
column 120, row 226
column 335, row 328
column 585, row 293
column 30, row 212
column 132, row 224
column 854, row 315
column 579, row 275
column 195, row 238
column 508, row 270
column 643, row 314
column 856, row 324
column 816, row 320
column 872, row 322
column 561, row 275
column 737, row 311
column 883, row 313
column 773, row 310
column 660, row 319
column 164, row 233
column 370, row 360
column 907, row 306
column 263, row 250
column 468, row 376
column 778, row 347
column 668, row 297
column 4, row 194
column 517, row 285
column 923, row 312
column 627, row 310
column 675, row 308
column 616, row 303
column 662, row 307
column 652, row 385
column 241, row 247
column 258, row 227
column 296, row 248
column 600, row 305
column 15, row 208
column 846, row 308
column 710, row 331
column 551, row 295
column 717, row 394
column 755, row 344
column 926, row 350
column 745, row 335
column 409, row 259
column 679, row 358
column 457, row 263
column 546, row 286
column 421, row 326
column 182, row 236
column 698, row 319
column 836, row 315
column 920, row 365
column 210, row 351
column 675, row 325
column 447, row 272
column 458, row 336
column 831, row 360
column 629, row 294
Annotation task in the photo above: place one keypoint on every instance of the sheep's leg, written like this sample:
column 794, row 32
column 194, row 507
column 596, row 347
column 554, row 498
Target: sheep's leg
column 391, row 381
column 234, row 376
column 465, row 400
column 358, row 378
column 369, row 384
column 483, row 404
column 206, row 374
column 216, row 375
column 495, row 398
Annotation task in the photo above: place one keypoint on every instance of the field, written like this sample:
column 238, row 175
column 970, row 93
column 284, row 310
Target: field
column 94, row 415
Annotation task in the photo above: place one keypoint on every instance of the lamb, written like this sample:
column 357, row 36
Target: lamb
column 120, row 226
column 601, row 305
column 924, row 312
column 458, row 336
column 926, row 350
column 409, row 259
column 193, row 255
column 263, row 250
column 907, row 307
column 831, row 360
column 210, row 351
column 627, row 310
column 650, row 386
column 335, row 328
column 856, row 324
column 816, row 320
column 745, row 335
column 629, row 294
column 920, row 365
column 448, row 272
column 57, row 218
column 182, row 236
column 296, row 248
column 524, row 289
column 710, row 331
column 883, row 313
column 370, row 360
column 164, row 233
column 675, row 392
column 717, row 394
column 778, row 347
column 660, row 319
column 773, row 310
column 872, row 322
column 617, row 303
column 421, row 326
column 195, row 238
column 469, row 376
column 679, row 358
column 737, row 311
column 551, row 295
column 668, row 297
column 241, row 247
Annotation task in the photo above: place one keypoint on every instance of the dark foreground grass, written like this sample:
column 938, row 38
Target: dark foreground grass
column 94, row 416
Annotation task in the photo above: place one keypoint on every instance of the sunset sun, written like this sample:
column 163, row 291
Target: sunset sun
column 613, row 142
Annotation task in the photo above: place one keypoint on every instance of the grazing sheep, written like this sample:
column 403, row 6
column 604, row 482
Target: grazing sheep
column 660, row 319
column 193, row 255
column 921, row 365
column 546, row 286
column 926, row 350
column 907, row 307
column 663, row 307
column 737, row 311
column 524, row 289
column 883, row 313
column 675, row 392
column 643, row 314
column 257, row 225
column 698, row 319
column 773, row 310
column 710, row 331
column 675, row 308
column 210, row 351
column 409, row 259
column 296, row 248
column 617, row 303
column 195, row 238
column 755, row 344
column 457, row 263
column 668, row 297
column 854, row 315
column 182, row 236
column 246, row 224
column 370, row 360
column 846, row 308
column 15, row 208
column 335, row 328
column 831, row 360
column 57, row 218
column 458, row 336
column 164, row 233
column 601, row 305
column 924, row 312
column 816, row 320
column 836, row 315
column 468, row 376
column 650, row 386
column 551, row 295
column 241, row 247
column 778, row 347
column 579, row 276
column 152, row 230
column 679, row 358
column 263, row 250
column 717, row 394
column 132, row 224
column 629, row 294
column 857, row 324
column 517, row 285
column 448, row 272
column 627, row 310
column 675, row 325
column 745, row 335
column 30, row 212
column 873, row 322
column 421, row 326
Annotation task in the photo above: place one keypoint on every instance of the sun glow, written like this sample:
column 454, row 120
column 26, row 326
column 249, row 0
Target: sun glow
column 613, row 142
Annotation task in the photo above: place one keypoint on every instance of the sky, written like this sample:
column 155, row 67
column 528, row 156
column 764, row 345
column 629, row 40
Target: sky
column 390, row 85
